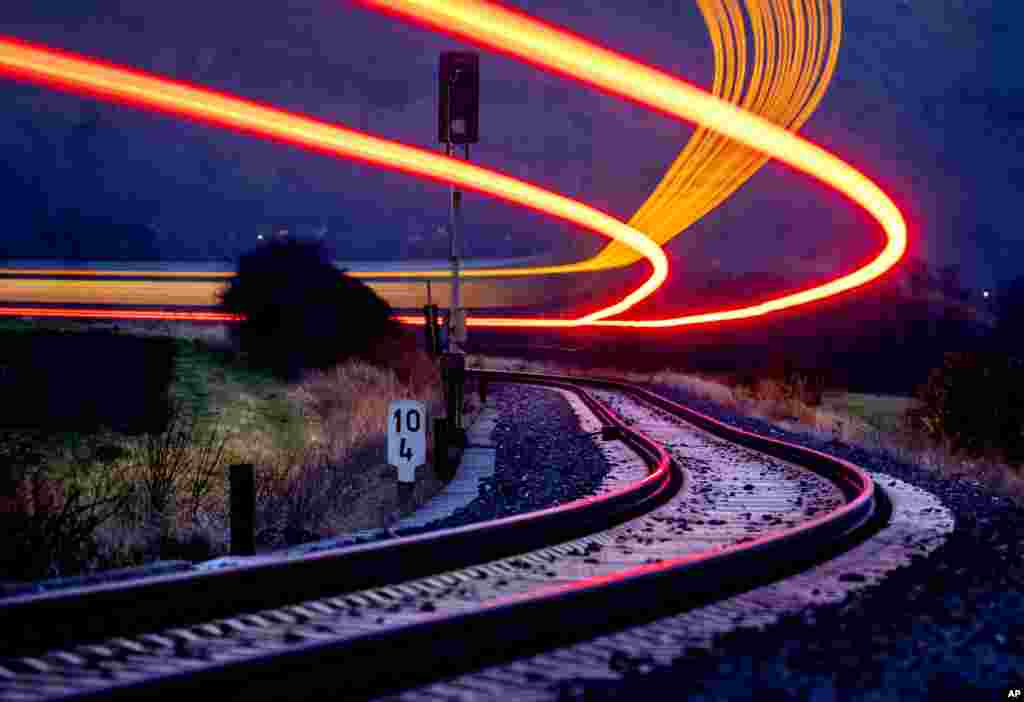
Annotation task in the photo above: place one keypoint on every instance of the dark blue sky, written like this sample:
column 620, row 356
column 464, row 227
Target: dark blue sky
column 925, row 101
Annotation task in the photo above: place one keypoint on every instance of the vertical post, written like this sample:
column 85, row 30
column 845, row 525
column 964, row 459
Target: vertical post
column 441, row 448
column 243, row 509
column 427, row 331
column 432, row 336
column 482, row 388
column 454, row 338
column 405, row 497
column 436, row 312
column 430, row 318
column 458, row 123
column 453, row 369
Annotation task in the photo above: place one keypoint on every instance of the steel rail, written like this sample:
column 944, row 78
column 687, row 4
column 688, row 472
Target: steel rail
column 387, row 659
column 851, row 479
column 54, row 619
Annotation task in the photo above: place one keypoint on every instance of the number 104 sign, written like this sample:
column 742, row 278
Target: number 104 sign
column 407, row 437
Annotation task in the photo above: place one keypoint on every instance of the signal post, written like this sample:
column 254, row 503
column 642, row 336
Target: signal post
column 458, row 123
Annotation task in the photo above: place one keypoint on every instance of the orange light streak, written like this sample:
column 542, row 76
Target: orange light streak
column 66, row 71
column 546, row 46
column 513, row 33
column 711, row 166
column 89, row 273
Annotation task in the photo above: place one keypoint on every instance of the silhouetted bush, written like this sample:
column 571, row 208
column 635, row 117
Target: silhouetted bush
column 976, row 402
column 301, row 312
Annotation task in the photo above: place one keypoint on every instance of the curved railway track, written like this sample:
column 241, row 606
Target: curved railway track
column 719, row 511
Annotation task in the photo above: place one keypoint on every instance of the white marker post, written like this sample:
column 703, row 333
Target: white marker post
column 407, row 438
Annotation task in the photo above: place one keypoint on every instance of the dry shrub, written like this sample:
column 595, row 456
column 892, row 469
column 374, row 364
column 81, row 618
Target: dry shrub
column 178, row 486
column 703, row 388
column 295, row 499
column 791, row 400
column 49, row 522
column 412, row 367
column 304, row 495
column 774, row 399
column 348, row 404
column 844, row 427
column 110, row 501
column 178, row 468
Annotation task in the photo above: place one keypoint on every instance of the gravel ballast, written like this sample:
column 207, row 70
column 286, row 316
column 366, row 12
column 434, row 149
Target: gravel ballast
column 949, row 623
column 543, row 459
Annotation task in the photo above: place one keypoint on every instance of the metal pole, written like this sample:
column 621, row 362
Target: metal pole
column 242, row 479
column 460, row 319
column 456, row 313
column 456, row 329
column 430, row 317
column 456, row 302
column 453, row 363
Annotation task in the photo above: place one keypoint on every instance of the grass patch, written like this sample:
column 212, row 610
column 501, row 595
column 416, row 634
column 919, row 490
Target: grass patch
column 318, row 446
column 254, row 408
column 14, row 325
column 884, row 412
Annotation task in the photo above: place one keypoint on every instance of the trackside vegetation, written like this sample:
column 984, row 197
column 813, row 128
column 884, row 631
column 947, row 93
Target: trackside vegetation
column 300, row 390
column 79, row 502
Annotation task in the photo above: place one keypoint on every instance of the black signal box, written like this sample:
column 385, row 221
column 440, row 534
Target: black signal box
column 459, row 98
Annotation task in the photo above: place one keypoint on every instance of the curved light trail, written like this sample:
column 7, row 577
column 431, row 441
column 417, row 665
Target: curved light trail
column 711, row 166
column 792, row 64
column 518, row 35
column 66, row 71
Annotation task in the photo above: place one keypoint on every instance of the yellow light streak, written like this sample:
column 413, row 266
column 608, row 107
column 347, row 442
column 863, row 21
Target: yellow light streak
column 794, row 56
column 513, row 33
column 69, row 72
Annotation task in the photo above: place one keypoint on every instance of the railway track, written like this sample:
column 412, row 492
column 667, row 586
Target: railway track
column 717, row 511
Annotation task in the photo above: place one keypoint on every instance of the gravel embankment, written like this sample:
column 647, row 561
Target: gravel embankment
column 948, row 623
column 543, row 459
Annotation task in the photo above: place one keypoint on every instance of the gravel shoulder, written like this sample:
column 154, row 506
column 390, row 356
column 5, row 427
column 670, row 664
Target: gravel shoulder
column 544, row 458
column 946, row 624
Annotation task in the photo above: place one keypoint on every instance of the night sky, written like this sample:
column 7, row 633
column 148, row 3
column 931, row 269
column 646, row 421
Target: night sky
column 925, row 100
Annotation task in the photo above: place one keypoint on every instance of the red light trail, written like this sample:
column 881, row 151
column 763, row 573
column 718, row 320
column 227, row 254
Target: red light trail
column 87, row 313
column 516, row 34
